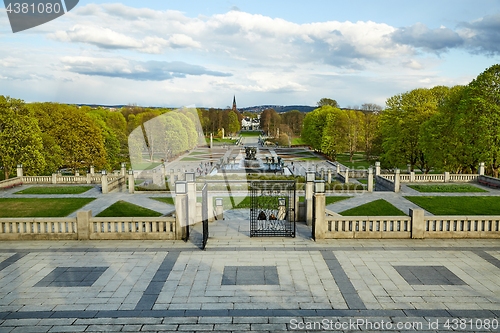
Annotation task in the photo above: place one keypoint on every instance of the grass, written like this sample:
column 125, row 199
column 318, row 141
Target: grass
column 44, row 207
column 126, row 209
column 363, row 181
column 375, row 208
column 194, row 153
column 312, row 158
column 219, row 140
column 55, row 190
column 454, row 188
column 462, row 205
column 358, row 161
column 332, row 200
column 298, row 141
column 191, row 159
column 145, row 166
column 167, row 200
column 250, row 133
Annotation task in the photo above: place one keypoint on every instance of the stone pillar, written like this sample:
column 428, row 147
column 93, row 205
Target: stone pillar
column 54, row 178
column 446, row 177
column 377, row 168
column 223, row 132
column 412, row 177
column 92, row 170
column 19, row 170
column 408, row 168
column 77, row 173
column 181, row 215
column 89, row 179
column 83, row 224
column 131, row 182
column 219, row 209
column 346, row 176
column 417, row 223
column 322, row 174
column 123, row 171
column 191, row 197
column 104, row 182
column 338, row 168
column 481, row 169
column 370, row 179
column 309, row 203
column 210, row 207
column 397, row 180
column 297, row 207
column 211, row 140
column 329, row 176
column 320, row 226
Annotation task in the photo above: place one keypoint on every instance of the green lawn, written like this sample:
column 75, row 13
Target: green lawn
column 312, row 158
column 45, row 207
column 358, row 161
column 458, row 205
column 145, row 166
column 250, row 133
column 363, row 181
column 55, row 190
column 298, row 141
column 126, row 209
column 191, row 159
column 375, row 208
column 167, row 200
column 331, row 200
column 219, row 140
column 447, row 188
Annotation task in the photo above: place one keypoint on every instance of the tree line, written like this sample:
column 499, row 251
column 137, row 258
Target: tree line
column 442, row 128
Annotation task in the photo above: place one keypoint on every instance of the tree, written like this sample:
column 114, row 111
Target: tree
column 234, row 124
column 480, row 109
column 314, row 124
column 75, row 132
column 401, row 122
column 370, row 127
column 328, row 101
column 270, row 121
column 20, row 138
column 294, row 120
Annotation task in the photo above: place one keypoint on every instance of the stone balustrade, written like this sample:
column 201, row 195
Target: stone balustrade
column 415, row 226
column 368, row 227
column 85, row 227
column 462, row 226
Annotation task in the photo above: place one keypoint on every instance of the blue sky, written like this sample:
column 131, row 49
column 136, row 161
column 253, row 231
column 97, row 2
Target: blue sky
column 174, row 53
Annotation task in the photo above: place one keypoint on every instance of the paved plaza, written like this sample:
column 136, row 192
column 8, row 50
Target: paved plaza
column 249, row 284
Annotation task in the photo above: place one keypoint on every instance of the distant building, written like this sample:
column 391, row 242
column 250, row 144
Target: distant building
column 250, row 124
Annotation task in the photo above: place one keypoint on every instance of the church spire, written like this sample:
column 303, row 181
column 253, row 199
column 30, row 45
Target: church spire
column 234, row 103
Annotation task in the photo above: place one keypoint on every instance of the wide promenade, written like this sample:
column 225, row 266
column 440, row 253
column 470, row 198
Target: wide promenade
column 250, row 284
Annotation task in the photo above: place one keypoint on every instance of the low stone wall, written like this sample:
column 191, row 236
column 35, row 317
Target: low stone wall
column 117, row 183
column 415, row 226
column 85, row 227
column 9, row 183
column 489, row 181
column 385, row 183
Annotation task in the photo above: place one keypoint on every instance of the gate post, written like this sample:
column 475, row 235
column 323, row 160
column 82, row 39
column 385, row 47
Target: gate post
column 319, row 229
column 131, row 182
column 329, row 176
column 104, row 182
column 370, row 179
column 417, row 223
column 191, row 197
column 181, row 211
column 309, row 197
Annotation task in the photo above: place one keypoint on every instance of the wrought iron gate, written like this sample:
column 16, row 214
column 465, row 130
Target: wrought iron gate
column 272, row 208
column 204, row 214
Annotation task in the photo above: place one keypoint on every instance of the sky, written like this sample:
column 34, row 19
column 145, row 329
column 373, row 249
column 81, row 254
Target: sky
column 202, row 53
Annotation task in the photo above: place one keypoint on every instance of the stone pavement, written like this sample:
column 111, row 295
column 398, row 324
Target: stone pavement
column 250, row 284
